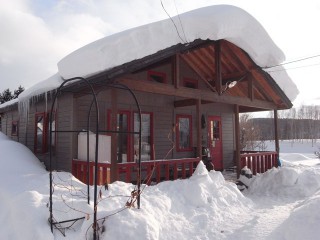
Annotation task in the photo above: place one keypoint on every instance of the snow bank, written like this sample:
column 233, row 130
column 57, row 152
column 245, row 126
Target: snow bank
column 201, row 207
column 214, row 23
column 287, row 181
column 22, row 206
column 303, row 223
column 196, row 208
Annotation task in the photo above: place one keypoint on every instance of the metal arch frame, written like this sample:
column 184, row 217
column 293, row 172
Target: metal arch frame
column 95, row 102
column 96, row 149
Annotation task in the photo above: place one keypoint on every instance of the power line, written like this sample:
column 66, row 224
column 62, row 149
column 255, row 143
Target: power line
column 185, row 37
column 284, row 69
column 298, row 60
column 172, row 22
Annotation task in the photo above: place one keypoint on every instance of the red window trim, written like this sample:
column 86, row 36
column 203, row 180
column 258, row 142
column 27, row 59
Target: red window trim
column 16, row 123
column 190, row 80
column 190, row 148
column 152, row 156
column 159, row 74
column 129, row 138
column 44, row 146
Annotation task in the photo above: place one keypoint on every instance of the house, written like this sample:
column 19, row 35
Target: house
column 190, row 88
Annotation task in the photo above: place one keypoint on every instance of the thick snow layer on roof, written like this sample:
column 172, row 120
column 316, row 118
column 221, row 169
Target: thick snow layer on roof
column 47, row 85
column 9, row 103
column 215, row 22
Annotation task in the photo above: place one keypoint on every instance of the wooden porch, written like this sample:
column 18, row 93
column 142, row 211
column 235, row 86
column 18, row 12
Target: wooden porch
column 153, row 172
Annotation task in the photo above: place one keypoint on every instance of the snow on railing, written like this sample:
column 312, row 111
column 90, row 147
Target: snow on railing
column 258, row 162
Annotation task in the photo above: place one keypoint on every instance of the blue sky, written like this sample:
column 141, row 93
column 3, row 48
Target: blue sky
column 36, row 34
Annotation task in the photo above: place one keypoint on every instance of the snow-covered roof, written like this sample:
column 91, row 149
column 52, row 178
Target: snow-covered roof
column 209, row 23
column 9, row 103
column 44, row 86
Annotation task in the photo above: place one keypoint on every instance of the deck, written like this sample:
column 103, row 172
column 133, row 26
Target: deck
column 153, row 172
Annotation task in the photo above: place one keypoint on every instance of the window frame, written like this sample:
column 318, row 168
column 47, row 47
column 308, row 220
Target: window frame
column 129, row 138
column 178, row 148
column 192, row 81
column 16, row 124
column 152, row 157
column 44, row 147
column 158, row 74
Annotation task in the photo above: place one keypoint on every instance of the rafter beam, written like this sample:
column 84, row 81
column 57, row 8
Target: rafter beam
column 170, row 90
column 195, row 69
column 217, row 57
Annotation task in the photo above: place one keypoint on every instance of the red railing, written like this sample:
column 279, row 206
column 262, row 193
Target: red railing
column 79, row 170
column 151, row 171
column 258, row 162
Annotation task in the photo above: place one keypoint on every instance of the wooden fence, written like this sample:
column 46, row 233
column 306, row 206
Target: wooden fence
column 151, row 171
column 258, row 162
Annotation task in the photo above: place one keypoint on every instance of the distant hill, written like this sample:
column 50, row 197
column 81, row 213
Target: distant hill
column 288, row 128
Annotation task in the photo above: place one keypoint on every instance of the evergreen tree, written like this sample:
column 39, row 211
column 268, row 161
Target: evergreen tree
column 18, row 91
column 6, row 96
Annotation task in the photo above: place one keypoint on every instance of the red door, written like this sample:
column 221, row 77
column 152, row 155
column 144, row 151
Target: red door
column 215, row 141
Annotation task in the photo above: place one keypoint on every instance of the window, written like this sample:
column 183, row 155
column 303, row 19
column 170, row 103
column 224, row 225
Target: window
column 42, row 133
column 159, row 77
column 215, row 130
column 128, row 143
column 14, row 128
column 53, row 134
column 40, row 140
column 184, row 132
column 123, row 137
column 190, row 83
column 146, row 136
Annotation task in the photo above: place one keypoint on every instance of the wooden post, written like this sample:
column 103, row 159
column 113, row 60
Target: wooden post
column 250, row 88
column 218, row 79
column 276, row 130
column 176, row 70
column 199, row 132
column 237, row 138
column 114, row 138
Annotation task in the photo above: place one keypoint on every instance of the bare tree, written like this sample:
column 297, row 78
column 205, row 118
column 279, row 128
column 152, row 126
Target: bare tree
column 250, row 134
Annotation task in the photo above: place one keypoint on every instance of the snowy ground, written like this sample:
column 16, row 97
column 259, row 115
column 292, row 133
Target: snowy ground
column 280, row 204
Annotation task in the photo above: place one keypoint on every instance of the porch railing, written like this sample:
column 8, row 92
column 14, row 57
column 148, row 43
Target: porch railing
column 258, row 162
column 151, row 171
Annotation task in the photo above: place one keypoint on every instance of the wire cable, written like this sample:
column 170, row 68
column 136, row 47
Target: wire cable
column 285, row 69
column 184, row 34
column 298, row 60
column 172, row 22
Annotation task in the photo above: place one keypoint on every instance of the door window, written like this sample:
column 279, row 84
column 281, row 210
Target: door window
column 146, row 138
column 184, row 133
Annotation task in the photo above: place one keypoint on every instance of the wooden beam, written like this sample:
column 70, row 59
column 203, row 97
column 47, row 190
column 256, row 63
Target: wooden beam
column 232, row 57
column 217, row 57
column 201, row 76
column 114, row 140
column 176, row 70
column 276, row 130
column 250, row 88
column 199, row 132
column 166, row 89
column 188, row 102
column 237, row 138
